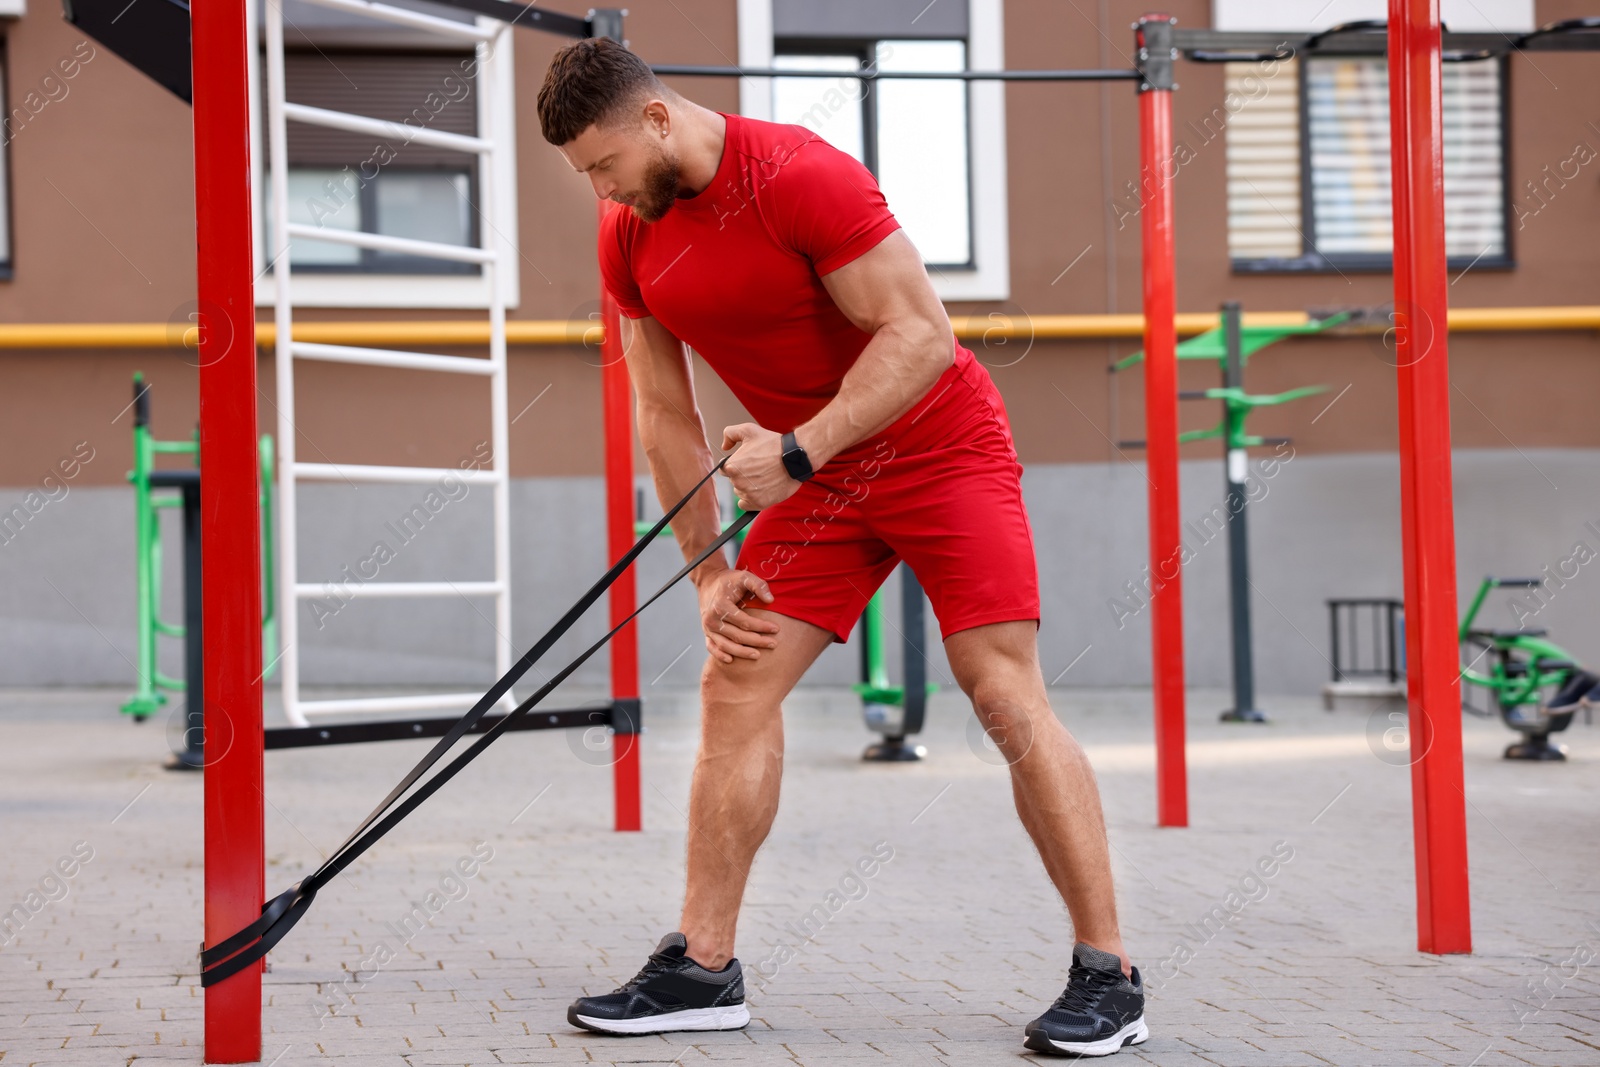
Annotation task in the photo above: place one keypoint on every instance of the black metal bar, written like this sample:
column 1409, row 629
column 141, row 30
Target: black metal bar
column 1394, row 643
column 1564, row 26
column 1231, row 46
column 174, row 478
column 693, row 71
column 1360, row 29
column 192, row 755
column 1508, row 213
column 1378, row 618
column 1238, row 57
column 1333, row 638
column 527, row 15
column 350, row 733
column 893, row 747
column 1244, row 674
column 1355, row 641
column 1308, row 199
column 915, row 668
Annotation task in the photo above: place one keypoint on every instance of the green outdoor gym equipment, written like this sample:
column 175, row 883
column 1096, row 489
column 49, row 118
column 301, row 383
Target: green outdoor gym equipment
column 1236, row 403
column 148, row 482
column 1232, row 344
column 1524, row 670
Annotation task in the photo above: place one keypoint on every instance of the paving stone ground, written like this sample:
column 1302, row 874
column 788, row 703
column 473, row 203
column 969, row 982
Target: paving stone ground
column 941, row 957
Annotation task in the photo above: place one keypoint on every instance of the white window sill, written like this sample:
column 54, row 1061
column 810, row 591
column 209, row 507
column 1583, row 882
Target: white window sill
column 969, row 284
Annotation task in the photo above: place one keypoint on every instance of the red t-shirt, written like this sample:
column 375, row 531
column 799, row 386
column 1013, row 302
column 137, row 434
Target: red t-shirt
column 735, row 272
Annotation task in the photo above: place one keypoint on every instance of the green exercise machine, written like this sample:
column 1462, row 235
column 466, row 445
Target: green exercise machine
column 1231, row 345
column 1534, row 683
column 155, row 489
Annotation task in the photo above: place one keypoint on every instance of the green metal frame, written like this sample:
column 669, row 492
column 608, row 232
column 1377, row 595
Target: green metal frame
column 877, row 689
column 148, row 502
column 1524, row 664
column 1236, row 403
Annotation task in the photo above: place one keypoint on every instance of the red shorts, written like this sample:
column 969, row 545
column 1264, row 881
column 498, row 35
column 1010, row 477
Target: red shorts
column 939, row 488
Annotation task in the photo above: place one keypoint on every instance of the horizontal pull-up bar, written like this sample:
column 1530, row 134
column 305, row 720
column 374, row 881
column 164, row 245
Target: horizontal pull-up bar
column 1370, row 38
column 533, row 18
column 868, row 74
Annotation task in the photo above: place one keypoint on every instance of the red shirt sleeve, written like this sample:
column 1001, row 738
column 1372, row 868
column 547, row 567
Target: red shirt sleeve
column 616, row 270
column 828, row 207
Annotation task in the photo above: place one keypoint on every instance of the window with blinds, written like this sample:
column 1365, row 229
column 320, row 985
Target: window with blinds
column 1263, row 147
column 392, row 186
column 1308, row 167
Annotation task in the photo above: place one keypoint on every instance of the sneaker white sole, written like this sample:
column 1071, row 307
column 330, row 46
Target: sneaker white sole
column 1135, row 1033
column 734, row 1017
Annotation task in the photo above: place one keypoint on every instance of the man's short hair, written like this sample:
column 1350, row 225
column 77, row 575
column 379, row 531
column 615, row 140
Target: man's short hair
column 589, row 82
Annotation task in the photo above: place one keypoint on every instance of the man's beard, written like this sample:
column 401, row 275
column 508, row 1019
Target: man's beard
column 663, row 177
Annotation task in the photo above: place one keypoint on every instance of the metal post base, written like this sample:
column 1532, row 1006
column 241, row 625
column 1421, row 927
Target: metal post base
column 1538, row 748
column 1247, row 715
column 185, row 761
column 894, row 750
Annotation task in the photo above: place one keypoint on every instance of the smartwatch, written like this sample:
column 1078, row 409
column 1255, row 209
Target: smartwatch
column 795, row 460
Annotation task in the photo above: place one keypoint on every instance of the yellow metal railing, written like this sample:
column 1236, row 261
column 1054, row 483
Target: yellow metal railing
column 993, row 326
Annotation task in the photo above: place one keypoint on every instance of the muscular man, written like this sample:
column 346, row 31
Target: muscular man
column 876, row 438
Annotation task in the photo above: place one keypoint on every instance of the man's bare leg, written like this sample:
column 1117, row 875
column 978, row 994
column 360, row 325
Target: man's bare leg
column 734, row 795
column 997, row 666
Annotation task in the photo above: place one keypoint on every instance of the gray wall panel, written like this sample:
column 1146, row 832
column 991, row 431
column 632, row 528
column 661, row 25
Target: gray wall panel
column 1322, row 526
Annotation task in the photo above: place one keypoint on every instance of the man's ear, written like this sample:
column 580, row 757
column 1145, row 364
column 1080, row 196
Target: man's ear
column 658, row 117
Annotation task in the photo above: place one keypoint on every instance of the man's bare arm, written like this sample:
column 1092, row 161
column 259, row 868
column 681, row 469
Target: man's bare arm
column 674, row 435
column 887, row 294
column 674, row 439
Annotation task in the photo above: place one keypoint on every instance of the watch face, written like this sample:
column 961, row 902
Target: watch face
column 797, row 463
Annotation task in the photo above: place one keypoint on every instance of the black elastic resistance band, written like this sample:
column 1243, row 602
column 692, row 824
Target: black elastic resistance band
column 279, row 915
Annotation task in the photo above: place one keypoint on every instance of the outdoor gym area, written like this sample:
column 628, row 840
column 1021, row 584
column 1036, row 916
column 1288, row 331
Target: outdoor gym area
column 422, row 644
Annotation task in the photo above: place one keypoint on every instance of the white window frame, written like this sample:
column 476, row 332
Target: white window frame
column 990, row 277
column 428, row 291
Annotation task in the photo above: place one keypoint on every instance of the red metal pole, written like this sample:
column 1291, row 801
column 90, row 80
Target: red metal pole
column 235, row 864
column 1157, row 169
column 1421, row 302
column 616, row 404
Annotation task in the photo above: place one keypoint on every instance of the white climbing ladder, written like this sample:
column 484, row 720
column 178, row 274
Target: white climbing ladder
column 481, row 34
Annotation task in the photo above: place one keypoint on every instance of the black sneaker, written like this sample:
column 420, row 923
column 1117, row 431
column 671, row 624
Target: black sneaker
column 1100, row 1011
column 672, row 992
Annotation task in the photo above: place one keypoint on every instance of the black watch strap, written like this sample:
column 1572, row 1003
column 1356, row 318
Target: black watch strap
column 795, row 460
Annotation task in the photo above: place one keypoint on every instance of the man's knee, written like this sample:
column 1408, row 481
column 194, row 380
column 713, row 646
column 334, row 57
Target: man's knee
column 1011, row 723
